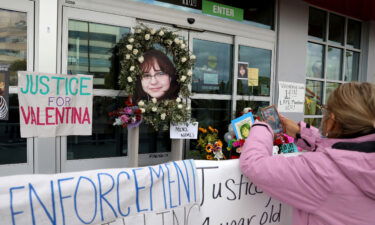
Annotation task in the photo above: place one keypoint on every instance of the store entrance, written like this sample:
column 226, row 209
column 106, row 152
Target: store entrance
column 218, row 93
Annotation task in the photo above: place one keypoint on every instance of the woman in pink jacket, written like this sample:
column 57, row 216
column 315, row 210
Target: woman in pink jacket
column 334, row 183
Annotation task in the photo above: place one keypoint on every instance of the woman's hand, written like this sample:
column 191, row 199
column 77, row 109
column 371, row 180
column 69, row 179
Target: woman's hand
column 291, row 128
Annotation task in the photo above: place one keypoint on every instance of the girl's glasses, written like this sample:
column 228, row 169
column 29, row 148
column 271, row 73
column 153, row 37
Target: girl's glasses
column 158, row 76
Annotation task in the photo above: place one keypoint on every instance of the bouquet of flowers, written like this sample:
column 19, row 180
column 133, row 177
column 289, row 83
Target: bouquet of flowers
column 209, row 146
column 285, row 144
column 234, row 148
column 129, row 116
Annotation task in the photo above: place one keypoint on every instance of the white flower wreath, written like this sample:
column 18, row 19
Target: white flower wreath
column 131, row 48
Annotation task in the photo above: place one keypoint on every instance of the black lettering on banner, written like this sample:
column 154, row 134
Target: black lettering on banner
column 229, row 189
column 218, row 192
column 202, row 169
column 235, row 189
column 175, row 217
column 206, row 221
column 270, row 216
column 162, row 216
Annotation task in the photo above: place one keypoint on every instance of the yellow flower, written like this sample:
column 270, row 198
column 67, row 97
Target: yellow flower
column 209, row 148
column 219, row 143
column 201, row 129
column 209, row 157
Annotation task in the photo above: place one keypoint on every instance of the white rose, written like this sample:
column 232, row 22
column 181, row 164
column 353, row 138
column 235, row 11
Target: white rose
column 140, row 59
column 183, row 78
column 141, row 103
column 154, row 109
column 183, row 59
column 169, row 42
column 192, row 57
column 127, row 56
column 129, row 47
column 176, row 40
column 135, row 51
column 161, row 33
column 182, row 46
column 178, row 99
column 132, row 68
column 152, row 31
column 179, row 106
column 117, row 122
column 189, row 73
column 138, row 31
column 154, row 100
column 147, row 37
column 187, row 108
column 131, row 40
column 162, row 116
column 130, row 79
column 142, row 110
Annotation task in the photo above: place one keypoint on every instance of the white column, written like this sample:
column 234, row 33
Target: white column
column 45, row 61
column 133, row 146
column 369, row 53
column 292, row 37
column 177, row 149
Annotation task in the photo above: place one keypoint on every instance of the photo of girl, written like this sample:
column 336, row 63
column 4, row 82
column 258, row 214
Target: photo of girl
column 3, row 102
column 158, row 79
column 242, row 70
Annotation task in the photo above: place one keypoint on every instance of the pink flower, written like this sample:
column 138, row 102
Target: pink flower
column 124, row 118
column 128, row 110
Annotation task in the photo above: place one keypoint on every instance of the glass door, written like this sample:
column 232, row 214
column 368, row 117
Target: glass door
column 253, row 74
column 212, row 83
column 88, row 39
column 16, row 53
column 231, row 73
column 156, row 147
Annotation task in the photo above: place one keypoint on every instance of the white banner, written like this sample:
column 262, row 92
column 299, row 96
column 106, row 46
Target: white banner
column 291, row 97
column 54, row 105
column 228, row 198
column 99, row 196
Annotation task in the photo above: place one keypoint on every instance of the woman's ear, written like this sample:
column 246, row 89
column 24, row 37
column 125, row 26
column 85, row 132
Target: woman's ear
column 331, row 125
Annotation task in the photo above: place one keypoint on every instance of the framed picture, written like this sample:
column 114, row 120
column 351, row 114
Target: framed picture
column 242, row 70
column 271, row 116
column 4, row 94
column 242, row 125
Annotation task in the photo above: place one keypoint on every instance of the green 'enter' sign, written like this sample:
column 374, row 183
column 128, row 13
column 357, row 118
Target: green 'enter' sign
column 226, row 11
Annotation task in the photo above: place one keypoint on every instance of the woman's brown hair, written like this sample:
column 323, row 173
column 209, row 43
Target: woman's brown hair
column 166, row 66
column 353, row 107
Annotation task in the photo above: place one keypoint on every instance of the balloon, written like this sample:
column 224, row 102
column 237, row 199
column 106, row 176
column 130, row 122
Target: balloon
column 230, row 130
column 227, row 137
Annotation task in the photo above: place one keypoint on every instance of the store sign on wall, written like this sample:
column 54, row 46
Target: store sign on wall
column 195, row 4
column 54, row 105
column 221, row 10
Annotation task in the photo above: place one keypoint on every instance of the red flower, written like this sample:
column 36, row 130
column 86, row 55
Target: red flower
column 138, row 111
column 129, row 102
column 278, row 141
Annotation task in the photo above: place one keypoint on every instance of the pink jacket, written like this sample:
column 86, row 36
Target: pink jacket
column 326, row 186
